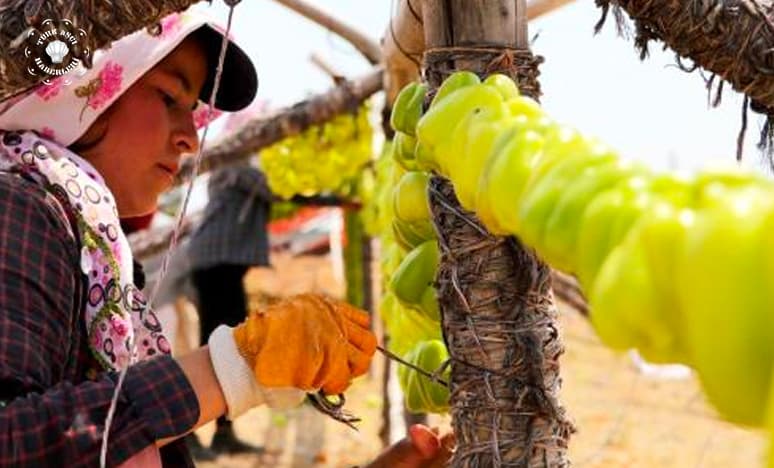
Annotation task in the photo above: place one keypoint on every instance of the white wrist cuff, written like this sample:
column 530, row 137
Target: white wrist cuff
column 237, row 380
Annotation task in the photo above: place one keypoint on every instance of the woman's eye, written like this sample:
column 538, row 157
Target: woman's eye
column 169, row 101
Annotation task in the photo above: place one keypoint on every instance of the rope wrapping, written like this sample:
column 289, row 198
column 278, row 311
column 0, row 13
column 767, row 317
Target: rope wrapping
column 497, row 311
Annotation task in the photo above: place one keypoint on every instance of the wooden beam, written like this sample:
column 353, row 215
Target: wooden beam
column 327, row 68
column 147, row 243
column 403, row 44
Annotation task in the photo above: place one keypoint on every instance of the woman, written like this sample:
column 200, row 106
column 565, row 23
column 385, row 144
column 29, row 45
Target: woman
column 73, row 158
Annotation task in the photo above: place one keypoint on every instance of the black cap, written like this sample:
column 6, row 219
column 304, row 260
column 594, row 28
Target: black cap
column 239, row 81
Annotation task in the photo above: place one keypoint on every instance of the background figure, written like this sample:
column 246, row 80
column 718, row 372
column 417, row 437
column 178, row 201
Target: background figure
column 231, row 238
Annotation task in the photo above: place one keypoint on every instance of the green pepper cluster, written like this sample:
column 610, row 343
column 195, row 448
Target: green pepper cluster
column 322, row 159
column 399, row 215
column 680, row 267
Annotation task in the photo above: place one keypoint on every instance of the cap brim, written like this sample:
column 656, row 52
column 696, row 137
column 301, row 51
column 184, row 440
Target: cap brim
column 239, row 81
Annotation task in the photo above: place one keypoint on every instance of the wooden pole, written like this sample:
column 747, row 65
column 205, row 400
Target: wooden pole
column 498, row 315
column 404, row 40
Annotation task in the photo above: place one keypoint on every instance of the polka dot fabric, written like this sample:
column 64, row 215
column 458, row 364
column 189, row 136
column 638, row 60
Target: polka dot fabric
column 121, row 328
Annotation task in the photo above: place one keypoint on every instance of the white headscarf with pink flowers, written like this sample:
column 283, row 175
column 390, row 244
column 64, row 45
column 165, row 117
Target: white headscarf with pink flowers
column 65, row 108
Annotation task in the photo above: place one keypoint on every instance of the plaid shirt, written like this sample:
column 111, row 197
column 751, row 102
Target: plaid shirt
column 53, row 396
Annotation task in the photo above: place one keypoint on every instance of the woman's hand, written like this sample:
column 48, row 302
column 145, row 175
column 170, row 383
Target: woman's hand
column 422, row 448
column 302, row 344
column 309, row 342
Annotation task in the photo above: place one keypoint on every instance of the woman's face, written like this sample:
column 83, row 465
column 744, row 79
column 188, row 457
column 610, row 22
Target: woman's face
column 136, row 145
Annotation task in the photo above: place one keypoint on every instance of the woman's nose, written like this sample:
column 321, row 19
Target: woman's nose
column 186, row 140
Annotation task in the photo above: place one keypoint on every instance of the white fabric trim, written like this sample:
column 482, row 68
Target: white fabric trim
column 237, row 381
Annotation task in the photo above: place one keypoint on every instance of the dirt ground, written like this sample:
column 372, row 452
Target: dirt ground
column 625, row 418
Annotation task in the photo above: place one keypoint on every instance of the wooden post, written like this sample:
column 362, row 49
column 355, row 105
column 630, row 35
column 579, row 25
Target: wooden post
column 499, row 318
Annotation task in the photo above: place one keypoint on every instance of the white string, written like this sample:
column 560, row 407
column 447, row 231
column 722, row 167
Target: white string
column 175, row 234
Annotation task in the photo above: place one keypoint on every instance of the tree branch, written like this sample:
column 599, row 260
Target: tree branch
column 327, row 68
column 147, row 243
column 290, row 121
column 364, row 44
column 537, row 8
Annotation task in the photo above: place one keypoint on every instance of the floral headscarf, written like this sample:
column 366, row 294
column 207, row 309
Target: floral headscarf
column 63, row 110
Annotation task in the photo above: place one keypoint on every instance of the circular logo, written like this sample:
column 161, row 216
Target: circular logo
column 53, row 50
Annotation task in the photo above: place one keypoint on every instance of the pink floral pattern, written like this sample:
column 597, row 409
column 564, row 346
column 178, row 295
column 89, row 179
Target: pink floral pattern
column 200, row 115
column 110, row 78
column 96, row 340
column 48, row 133
column 169, row 25
column 48, row 91
column 118, row 326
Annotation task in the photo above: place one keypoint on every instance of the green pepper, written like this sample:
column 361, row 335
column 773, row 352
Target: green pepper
column 502, row 83
column 407, row 108
column 544, row 192
column 439, row 123
column 411, row 234
column 410, row 201
column 605, row 222
column 415, row 273
column 722, row 297
column 558, row 246
column 502, row 181
column 403, row 151
column 452, row 83
column 422, row 394
column 476, row 141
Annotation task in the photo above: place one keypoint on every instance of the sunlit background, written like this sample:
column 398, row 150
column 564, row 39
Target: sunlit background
column 649, row 110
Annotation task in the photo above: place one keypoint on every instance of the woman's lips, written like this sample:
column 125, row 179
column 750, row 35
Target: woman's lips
column 170, row 169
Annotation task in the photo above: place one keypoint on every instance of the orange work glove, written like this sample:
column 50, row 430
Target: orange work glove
column 309, row 342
